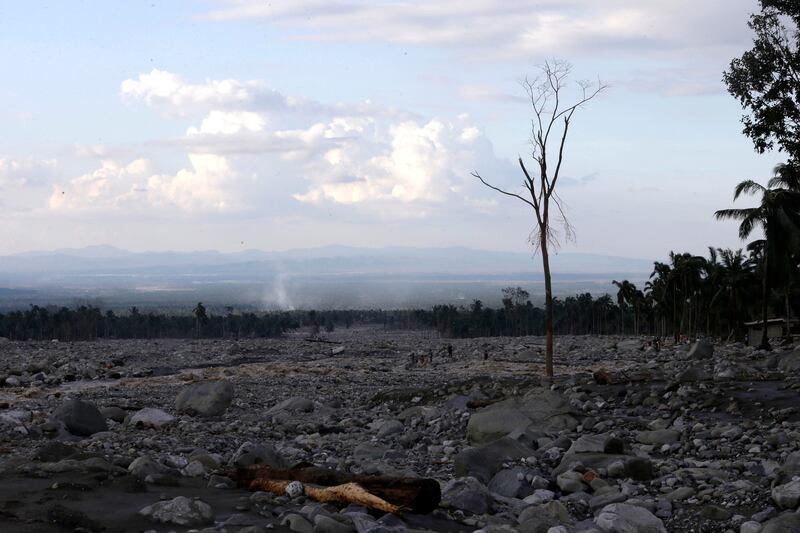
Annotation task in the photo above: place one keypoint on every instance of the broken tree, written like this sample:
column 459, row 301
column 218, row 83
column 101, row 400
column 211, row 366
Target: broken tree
column 388, row 494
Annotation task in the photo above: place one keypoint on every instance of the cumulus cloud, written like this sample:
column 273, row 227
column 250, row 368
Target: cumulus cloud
column 385, row 161
column 170, row 93
column 511, row 27
column 204, row 186
column 26, row 171
column 414, row 162
column 227, row 123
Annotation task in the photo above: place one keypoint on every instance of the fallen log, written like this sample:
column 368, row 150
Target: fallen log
column 388, row 494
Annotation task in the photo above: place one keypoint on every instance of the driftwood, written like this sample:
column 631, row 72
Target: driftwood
column 388, row 494
column 616, row 377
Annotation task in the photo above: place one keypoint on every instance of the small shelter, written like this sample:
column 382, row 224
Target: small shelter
column 777, row 328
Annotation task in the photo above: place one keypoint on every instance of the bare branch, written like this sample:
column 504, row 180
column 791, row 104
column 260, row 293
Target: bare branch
column 560, row 155
column 475, row 174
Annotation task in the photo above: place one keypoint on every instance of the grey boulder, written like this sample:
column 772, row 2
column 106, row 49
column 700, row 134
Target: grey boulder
column 180, row 511
column 467, row 494
column 81, row 418
column 626, row 518
column 207, row 398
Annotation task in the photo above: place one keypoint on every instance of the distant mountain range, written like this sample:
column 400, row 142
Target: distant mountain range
column 318, row 261
column 328, row 276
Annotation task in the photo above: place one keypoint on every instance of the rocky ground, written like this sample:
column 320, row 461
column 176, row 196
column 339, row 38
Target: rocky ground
column 142, row 435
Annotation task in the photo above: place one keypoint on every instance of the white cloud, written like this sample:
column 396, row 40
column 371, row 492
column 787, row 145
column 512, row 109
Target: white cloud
column 384, row 161
column 510, row 27
column 412, row 163
column 25, row 171
column 228, row 123
column 204, row 187
column 114, row 186
column 170, row 93
column 111, row 185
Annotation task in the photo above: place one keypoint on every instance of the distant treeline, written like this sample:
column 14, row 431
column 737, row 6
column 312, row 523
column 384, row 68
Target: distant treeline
column 89, row 323
column 689, row 295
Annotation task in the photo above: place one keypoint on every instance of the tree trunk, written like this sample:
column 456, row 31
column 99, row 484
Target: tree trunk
column 418, row 495
column 765, row 305
column 548, row 306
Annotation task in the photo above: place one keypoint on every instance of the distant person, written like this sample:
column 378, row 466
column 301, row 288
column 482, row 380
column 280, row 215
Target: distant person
column 486, row 355
column 450, row 351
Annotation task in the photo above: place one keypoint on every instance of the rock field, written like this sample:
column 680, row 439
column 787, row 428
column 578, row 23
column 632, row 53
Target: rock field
column 144, row 435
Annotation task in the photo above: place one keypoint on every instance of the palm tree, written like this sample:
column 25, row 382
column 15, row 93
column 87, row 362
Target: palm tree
column 200, row 317
column 660, row 289
column 621, row 297
column 628, row 295
column 736, row 280
column 778, row 216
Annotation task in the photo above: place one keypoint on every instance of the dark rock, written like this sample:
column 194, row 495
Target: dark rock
column 484, row 462
column 467, row 494
column 81, row 418
column 701, row 350
column 258, row 454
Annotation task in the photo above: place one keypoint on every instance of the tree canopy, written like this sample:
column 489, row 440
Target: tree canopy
column 766, row 79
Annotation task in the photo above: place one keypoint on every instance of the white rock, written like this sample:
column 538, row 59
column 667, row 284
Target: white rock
column 151, row 417
column 626, row 518
column 180, row 511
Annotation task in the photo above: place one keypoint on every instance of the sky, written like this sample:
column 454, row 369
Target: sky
column 238, row 124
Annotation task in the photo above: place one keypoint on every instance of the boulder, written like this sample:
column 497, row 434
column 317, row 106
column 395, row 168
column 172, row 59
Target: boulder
column 693, row 374
column 149, row 417
column 785, row 523
column 80, row 418
column 180, row 511
column 485, row 461
column 790, row 362
column 540, row 518
column 539, row 409
column 701, row 350
column 257, row 454
column 114, row 413
column 625, row 518
column 787, row 496
column 207, row 398
column 493, row 423
column 295, row 404
column 634, row 467
column 369, row 451
column 511, row 483
column 144, row 466
column 789, row 469
column 467, row 494
column 390, row 427
column 570, row 482
column 602, row 443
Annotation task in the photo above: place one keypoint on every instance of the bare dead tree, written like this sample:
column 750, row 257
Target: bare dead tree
column 549, row 127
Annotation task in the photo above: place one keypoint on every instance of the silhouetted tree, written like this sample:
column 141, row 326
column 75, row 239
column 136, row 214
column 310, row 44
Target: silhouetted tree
column 778, row 215
column 766, row 79
column 549, row 128
column 200, row 317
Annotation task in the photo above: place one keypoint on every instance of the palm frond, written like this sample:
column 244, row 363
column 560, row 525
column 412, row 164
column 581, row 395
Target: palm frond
column 748, row 187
